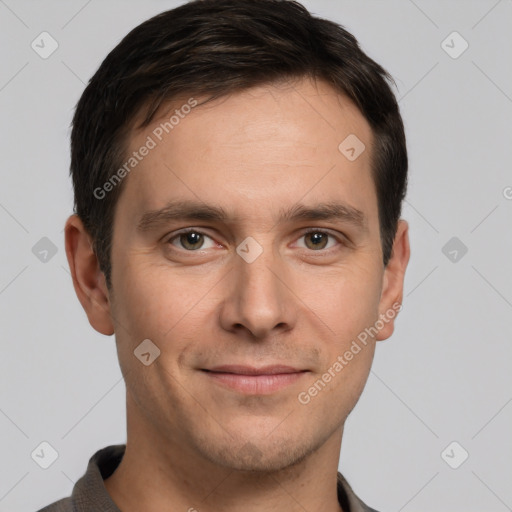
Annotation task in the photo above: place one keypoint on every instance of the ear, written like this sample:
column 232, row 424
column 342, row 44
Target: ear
column 393, row 281
column 88, row 279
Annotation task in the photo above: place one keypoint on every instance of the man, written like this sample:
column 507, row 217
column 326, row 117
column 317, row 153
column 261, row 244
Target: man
column 238, row 168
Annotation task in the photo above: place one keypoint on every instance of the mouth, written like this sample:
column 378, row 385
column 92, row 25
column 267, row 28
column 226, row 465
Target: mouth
column 254, row 381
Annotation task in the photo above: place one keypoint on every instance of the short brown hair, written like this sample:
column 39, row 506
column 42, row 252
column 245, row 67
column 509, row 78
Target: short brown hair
column 214, row 48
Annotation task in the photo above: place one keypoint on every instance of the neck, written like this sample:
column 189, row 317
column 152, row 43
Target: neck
column 157, row 471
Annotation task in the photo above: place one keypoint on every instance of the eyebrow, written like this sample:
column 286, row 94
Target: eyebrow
column 196, row 210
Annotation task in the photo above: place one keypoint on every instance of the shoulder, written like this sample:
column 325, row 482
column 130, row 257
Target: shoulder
column 348, row 498
column 89, row 493
column 63, row 505
column 363, row 507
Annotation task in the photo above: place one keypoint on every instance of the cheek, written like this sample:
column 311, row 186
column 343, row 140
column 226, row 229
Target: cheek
column 349, row 309
column 159, row 306
column 347, row 302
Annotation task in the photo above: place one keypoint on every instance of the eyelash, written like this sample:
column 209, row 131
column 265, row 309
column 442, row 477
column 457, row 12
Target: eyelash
column 339, row 239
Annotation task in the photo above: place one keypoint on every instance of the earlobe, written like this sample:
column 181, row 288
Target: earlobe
column 88, row 280
column 393, row 281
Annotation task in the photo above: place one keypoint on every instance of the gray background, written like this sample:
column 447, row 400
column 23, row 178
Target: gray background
column 444, row 376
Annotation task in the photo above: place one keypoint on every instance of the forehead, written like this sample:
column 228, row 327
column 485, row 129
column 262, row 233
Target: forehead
column 269, row 145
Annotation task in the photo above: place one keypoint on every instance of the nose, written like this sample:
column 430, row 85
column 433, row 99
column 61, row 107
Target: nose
column 258, row 298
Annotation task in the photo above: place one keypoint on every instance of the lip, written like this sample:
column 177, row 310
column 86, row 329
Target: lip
column 254, row 381
column 271, row 369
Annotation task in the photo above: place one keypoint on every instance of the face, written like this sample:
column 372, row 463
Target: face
column 272, row 257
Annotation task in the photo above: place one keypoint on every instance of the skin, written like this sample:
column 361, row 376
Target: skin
column 190, row 442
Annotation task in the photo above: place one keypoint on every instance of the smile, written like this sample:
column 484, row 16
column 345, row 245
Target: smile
column 255, row 382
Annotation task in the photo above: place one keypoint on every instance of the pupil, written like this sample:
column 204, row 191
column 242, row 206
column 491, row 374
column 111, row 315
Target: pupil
column 192, row 239
column 317, row 240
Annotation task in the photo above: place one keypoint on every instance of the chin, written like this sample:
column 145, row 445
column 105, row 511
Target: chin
column 261, row 454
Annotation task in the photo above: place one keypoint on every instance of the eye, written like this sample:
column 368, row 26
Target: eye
column 191, row 240
column 317, row 240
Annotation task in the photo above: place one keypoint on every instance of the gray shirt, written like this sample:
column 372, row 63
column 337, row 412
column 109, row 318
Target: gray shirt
column 90, row 495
